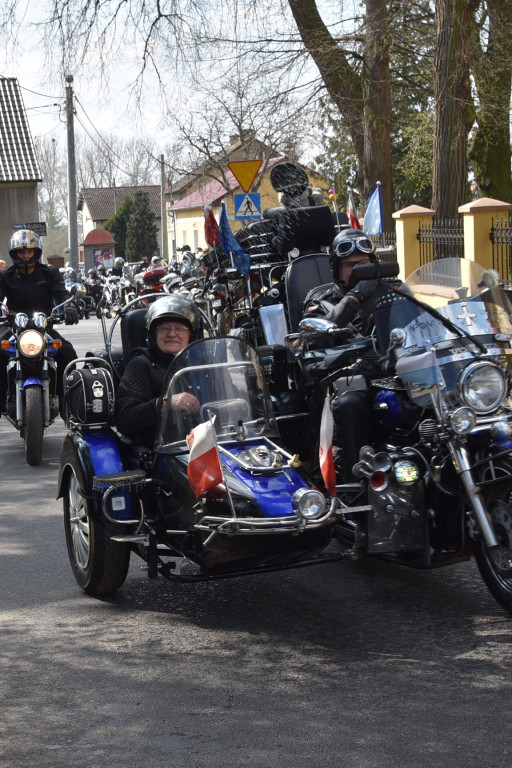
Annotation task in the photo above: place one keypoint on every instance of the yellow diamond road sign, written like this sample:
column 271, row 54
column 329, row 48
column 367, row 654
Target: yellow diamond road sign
column 245, row 171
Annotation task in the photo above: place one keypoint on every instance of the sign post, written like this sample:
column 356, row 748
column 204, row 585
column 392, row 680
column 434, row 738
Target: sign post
column 39, row 227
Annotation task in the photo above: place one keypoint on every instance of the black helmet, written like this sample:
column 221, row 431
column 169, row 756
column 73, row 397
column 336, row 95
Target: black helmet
column 91, row 273
column 174, row 308
column 289, row 178
column 101, row 269
column 347, row 242
column 22, row 240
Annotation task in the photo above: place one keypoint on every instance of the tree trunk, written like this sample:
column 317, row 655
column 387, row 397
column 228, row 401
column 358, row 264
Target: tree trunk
column 492, row 69
column 360, row 102
column 377, row 108
column 453, row 106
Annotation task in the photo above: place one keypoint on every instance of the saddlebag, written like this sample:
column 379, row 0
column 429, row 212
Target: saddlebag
column 90, row 396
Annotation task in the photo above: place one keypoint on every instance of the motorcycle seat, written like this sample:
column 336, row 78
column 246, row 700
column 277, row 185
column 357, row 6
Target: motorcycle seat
column 303, row 274
column 133, row 332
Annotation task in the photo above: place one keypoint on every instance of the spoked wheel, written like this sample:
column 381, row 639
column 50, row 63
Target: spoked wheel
column 99, row 564
column 34, row 425
column 495, row 565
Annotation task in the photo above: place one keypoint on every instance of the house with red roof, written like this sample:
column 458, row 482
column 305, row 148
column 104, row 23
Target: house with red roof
column 19, row 169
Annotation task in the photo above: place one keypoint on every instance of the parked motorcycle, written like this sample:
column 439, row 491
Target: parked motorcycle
column 31, row 402
column 256, row 511
column 434, row 485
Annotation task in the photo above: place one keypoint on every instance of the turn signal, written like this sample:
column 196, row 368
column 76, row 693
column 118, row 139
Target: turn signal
column 5, row 344
column 57, row 343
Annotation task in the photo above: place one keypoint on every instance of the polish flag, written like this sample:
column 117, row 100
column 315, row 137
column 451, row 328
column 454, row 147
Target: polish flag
column 204, row 470
column 325, row 452
column 352, row 212
column 211, row 228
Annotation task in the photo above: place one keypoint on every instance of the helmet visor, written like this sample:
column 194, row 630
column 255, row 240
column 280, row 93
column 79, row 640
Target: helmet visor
column 346, row 247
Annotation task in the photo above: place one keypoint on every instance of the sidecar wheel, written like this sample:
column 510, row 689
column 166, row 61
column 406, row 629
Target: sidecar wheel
column 495, row 565
column 34, row 426
column 99, row 564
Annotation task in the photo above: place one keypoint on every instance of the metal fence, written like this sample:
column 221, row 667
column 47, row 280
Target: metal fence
column 385, row 246
column 440, row 239
column 501, row 239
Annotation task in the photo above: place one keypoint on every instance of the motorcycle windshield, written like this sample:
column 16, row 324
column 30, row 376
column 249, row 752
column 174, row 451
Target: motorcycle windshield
column 226, row 377
column 469, row 320
column 462, row 292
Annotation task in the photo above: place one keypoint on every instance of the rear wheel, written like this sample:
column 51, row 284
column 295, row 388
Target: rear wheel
column 99, row 564
column 34, row 425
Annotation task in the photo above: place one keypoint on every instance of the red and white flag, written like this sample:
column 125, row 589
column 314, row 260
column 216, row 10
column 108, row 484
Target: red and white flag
column 325, row 452
column 204, row 470
column 352, row 212
column 211, row 228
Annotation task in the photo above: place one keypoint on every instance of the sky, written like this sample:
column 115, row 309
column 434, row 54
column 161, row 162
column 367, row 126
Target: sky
column 107, row 111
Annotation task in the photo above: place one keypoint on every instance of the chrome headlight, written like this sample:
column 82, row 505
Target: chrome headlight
column 482, row 387
column 30, row 343
column 462, row 420
column 308, row 503
column 40, row 320
column 21, row 320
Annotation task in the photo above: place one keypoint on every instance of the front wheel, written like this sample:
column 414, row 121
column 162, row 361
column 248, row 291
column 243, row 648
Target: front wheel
column 99, row 564
column 495, row 565
column 34, row 425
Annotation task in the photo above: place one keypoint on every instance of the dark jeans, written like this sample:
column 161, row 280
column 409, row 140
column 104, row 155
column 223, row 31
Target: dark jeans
column 352, row 420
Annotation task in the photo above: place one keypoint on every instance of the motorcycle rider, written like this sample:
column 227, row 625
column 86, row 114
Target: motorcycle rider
column 172, row 322
column 94, row 285
column 347, row 302
column 29, row 286
column 117, row 269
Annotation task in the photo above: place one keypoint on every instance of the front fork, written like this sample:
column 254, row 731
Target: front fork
column 462, row 464
column 21, row 380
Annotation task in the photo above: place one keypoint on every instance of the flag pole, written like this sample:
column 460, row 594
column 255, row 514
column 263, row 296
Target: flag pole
column 226, row 485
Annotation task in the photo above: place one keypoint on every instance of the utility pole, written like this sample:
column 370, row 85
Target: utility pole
column 72, row 223
column 163, row 211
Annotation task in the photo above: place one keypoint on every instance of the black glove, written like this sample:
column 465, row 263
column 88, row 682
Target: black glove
column 70, row 316
column 364, row 290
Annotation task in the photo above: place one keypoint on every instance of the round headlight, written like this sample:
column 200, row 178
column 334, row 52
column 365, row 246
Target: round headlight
column 308, row 503
column 406, row 472
column 482, row 387
column 30, row 343
column 462, row 420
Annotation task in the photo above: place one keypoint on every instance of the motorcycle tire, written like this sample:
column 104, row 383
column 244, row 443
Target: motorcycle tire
column 495, row 565
column 221, row 325
column 34, row 425
column 99, row 564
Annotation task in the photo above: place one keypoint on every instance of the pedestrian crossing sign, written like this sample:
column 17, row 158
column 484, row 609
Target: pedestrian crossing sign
column 248, row 206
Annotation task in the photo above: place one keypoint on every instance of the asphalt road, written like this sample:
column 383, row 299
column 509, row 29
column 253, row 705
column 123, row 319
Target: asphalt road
column 349, row 664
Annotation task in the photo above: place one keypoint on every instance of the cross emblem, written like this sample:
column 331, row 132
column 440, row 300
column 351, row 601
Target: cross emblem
column 466, row 316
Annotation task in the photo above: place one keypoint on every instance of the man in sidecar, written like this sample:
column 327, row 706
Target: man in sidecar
column 172, row 322
column 29, row 286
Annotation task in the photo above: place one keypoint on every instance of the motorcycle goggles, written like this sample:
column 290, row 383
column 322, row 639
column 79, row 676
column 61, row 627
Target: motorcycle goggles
column 346, row 247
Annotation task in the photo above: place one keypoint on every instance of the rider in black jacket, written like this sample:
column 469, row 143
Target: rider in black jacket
column 29, row 286
column 347, row 302
column 171, row 323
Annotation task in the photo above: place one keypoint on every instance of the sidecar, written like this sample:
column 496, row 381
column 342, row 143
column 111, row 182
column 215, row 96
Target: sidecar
column 243, row 505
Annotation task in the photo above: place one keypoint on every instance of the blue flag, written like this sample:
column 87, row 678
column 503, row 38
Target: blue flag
column 231, row 247
column 373, row 215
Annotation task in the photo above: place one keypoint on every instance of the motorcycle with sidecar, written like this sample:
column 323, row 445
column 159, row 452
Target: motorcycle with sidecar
column 261, row 512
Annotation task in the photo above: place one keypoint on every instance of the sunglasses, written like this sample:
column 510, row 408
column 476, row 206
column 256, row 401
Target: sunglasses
column 346, row 247
column 179, row 329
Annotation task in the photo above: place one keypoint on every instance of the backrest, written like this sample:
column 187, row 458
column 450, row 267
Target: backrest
column 302, row 275
column 305, row 228
column 133, row 332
